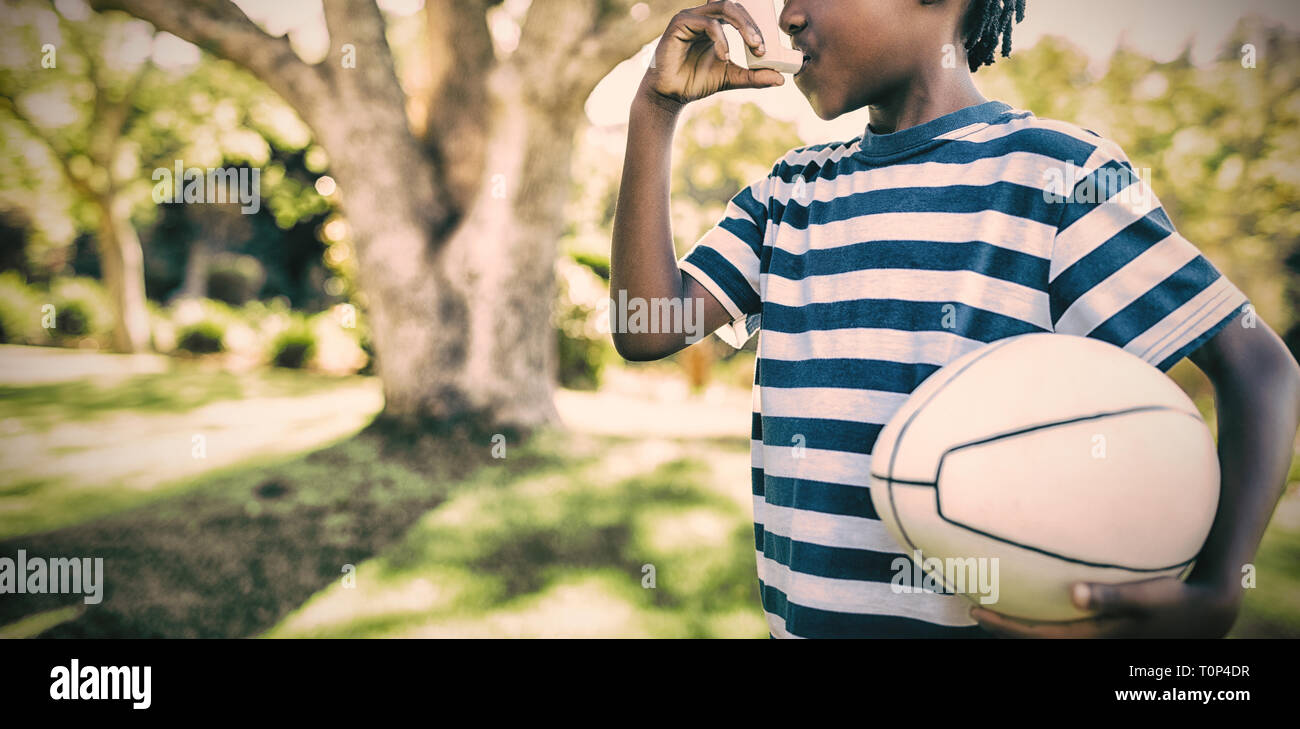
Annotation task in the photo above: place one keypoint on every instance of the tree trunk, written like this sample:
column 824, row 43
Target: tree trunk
column 455, row 231
column 195, row 285
column 462, row 317
column 121, row 261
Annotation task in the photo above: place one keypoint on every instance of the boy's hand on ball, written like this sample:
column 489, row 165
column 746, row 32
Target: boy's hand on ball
column 1165, row 607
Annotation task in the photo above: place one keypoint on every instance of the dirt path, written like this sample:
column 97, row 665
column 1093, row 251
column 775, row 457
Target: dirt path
column 143, row 451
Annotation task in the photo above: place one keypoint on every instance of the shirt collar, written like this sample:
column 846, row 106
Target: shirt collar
column 935, row 131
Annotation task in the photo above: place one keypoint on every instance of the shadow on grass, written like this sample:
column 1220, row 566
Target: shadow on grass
column 521, row 539
column 563, row 552
column 233, row 554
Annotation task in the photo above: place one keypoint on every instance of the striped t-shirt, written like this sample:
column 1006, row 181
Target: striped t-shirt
column 867, row 265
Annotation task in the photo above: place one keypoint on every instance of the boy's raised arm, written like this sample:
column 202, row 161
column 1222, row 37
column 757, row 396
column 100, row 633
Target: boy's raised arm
column 690, row 63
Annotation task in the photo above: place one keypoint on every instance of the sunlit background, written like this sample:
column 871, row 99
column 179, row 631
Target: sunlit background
column 223, row 470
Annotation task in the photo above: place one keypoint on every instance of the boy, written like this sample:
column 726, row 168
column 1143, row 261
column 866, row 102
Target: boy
column 869, row 264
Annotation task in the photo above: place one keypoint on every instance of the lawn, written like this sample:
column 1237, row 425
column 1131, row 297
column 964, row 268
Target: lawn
column 74, row 450
column 560, row 537
column 301, row 521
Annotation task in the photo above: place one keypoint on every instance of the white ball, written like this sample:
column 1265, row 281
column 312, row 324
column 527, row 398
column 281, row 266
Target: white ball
column 1062, row 458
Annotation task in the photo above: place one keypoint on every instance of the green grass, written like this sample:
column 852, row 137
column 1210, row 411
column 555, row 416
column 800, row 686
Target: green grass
column 184, row 388
column 34, row 625
column 238, row 553
column 1272, row 607
column 45, row 428
column 228, row 555
column 560, row 550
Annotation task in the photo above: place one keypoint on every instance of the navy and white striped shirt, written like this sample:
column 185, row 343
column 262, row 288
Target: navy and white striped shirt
column 867, row 265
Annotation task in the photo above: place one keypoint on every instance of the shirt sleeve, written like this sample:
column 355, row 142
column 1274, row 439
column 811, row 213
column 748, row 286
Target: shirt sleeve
column 727, row 261
column 1121, row 273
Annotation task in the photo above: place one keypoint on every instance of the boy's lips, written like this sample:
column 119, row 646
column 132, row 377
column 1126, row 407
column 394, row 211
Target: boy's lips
column 807, row 61
column 802, row 48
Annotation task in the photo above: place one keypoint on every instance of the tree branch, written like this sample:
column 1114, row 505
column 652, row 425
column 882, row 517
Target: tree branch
column 573, row 45
column 617, row 34
column 461, row 60
column 361, row 24
column 109, row 115
column 222, row 29
column 60, row 153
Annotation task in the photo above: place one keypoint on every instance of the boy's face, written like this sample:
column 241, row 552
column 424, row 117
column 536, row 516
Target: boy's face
column 862, row 52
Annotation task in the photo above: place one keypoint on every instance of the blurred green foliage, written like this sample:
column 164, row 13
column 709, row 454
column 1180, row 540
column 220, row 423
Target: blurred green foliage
column 204, row 112
column 294, row 347
column 67, row 311
column 582, row 355
column 721, row 147
column 20, row 311
column 235, row 279
column 81, row 309
column 203, row 337
column 1222, row 143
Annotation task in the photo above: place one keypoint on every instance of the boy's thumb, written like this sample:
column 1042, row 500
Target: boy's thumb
column 752, row 78
column 1121, row 598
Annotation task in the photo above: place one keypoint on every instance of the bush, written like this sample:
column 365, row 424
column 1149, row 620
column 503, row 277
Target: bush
column 294, row 347
column 203, row 337
column 235, row 279
column 205, row 326
column 81, row 309
column 20, row 311
column 599, row 264
column 73, row 319
column 581, row 361
column 582, row 347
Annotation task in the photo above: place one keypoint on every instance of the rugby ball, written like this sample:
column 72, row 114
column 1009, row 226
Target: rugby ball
column 1060, row 459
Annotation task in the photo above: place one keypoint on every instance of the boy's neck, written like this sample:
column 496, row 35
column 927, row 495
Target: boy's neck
column 923, row 100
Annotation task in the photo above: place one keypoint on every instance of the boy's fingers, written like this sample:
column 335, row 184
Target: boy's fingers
column 739, row 17
column 752, row 78
column 720, row 47
column 697, row 25
column 1127, row 597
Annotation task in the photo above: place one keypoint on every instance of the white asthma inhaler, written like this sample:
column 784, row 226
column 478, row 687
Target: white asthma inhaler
column 777, row 53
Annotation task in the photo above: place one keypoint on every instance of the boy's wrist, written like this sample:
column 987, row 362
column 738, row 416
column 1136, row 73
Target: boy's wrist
column 653, row 102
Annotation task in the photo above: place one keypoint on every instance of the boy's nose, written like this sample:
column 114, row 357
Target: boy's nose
column 793, row 18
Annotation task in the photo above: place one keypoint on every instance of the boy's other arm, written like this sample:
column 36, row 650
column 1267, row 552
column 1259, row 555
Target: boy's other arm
column 691, row 62
column 1257, row 398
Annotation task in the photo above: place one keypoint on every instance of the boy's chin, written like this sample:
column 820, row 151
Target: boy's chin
column 824, row 111
column 824, row 107
column 818, row 107
column 826, row 114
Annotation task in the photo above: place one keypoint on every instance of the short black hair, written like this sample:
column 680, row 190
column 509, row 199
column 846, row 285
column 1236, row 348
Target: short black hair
column 988, row 25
